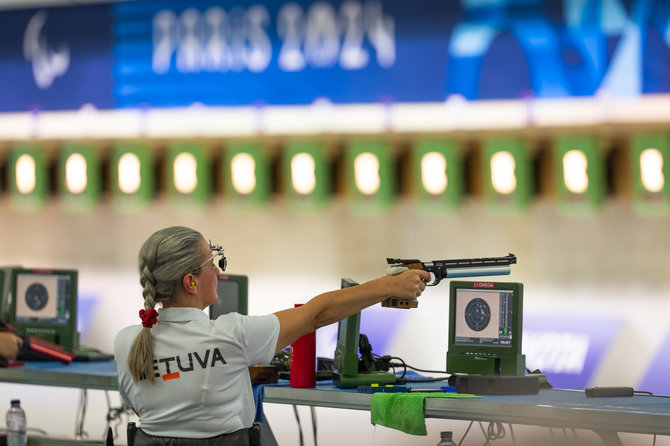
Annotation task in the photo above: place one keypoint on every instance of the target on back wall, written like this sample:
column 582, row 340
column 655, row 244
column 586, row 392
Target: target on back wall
column 437, row 173
column 189, row 174
column 649, row 156
column 580, row 172
column 306, row 175
column 28, row 177
column 79, row 176
column 247, row 174
column 370, row 175
column 132, row 175
column 507, row 173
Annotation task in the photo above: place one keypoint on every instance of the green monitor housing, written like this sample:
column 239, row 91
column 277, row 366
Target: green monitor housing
column 346, row 350
column 485, row 328
column 5, row 302
column 41, row 303
column 346, row 361
column 232, row 291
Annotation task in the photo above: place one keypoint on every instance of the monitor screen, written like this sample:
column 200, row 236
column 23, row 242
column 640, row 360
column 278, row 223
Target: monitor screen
column 484, row 317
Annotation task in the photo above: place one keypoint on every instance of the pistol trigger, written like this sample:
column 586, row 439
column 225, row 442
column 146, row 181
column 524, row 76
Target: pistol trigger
column 395, row 269
column 435, row 279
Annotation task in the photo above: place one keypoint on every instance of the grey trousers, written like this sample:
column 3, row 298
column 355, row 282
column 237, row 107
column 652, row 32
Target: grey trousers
column 242, row 437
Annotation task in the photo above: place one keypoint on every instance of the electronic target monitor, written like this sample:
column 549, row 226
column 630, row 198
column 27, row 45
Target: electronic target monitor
column 41, row 303
column 233, row 295
column 485, row 328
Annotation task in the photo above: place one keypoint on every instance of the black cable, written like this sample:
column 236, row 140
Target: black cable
column 488, row 440
column 466, row 433
column 404, row 366
column 401, row 379
column 110, row 416
column 297, row 418
column 423, row 380
column 313, row 411
column 495, row 431
column 84, row 434
column 428, row 371
column 38, row 430
column 77, row 415
column 81, row 415
column 109, row 406
column 644, row 392
column 511, row 431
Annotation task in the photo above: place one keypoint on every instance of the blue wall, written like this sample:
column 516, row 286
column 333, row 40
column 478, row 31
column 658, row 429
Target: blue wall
column 162, row 53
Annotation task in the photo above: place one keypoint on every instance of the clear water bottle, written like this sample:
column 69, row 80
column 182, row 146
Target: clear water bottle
column 446, row 439
column 16, row 425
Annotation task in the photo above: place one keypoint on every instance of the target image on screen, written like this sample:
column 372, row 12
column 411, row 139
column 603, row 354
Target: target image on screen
column 484, row 317
column 42, row 298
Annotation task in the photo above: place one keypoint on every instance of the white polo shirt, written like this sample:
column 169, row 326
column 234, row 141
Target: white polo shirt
column 202, row 386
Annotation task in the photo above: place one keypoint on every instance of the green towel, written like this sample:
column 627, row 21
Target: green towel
column 404, row 411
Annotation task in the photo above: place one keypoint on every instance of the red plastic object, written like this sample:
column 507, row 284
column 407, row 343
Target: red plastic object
column 303, row 361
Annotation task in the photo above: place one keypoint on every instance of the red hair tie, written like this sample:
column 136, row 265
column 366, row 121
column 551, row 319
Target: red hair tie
column 149, row 318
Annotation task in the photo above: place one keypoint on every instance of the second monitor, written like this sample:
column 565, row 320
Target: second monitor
column 232, row 291
column 485, row 328
column 41, row 303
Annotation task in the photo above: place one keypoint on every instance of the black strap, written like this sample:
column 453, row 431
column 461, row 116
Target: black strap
column 109, row 439
column 255, row 435
column 131, row 430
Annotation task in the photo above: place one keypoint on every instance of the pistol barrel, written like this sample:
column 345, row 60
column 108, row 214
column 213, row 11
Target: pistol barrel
column 474, row 271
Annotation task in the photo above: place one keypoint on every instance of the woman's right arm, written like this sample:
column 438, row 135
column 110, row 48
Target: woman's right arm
column 336, row 305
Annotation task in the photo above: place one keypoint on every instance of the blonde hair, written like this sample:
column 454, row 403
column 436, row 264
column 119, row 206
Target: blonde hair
column 165, row 258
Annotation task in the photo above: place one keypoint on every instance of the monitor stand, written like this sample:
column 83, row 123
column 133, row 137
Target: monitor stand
column 347, row 372
column 495, row 384
column 83, row 353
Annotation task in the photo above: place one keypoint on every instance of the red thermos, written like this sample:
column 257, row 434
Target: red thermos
column 303, row 360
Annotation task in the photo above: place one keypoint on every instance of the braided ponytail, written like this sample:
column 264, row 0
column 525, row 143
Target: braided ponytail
column 164, row 259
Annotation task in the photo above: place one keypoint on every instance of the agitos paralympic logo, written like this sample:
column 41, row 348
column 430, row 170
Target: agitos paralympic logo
column 171, row 367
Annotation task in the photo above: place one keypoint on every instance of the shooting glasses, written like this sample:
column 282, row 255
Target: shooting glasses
column 218, row 251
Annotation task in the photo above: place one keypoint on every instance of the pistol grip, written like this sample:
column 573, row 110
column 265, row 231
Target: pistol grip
column 395, row 269
column 394, row 302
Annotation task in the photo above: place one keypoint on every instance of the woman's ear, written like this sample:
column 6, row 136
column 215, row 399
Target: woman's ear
column 189, row 283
